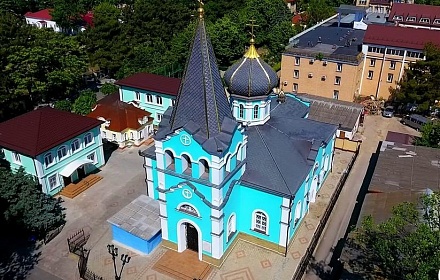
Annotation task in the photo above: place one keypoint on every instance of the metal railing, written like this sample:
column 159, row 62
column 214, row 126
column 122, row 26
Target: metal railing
column 305, row 260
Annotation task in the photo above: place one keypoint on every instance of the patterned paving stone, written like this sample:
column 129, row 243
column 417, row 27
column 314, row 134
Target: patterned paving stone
column 151, row 277
column 265, row 264
column 240, row 254
column 310, row 226
column 303, row 240
column 239, row 274
column 131, row 270
column 296, row 255
column 108, row 261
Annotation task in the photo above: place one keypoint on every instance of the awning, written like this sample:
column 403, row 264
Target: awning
column 71, row 167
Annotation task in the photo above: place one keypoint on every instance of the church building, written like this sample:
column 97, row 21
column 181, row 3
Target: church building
column 244, row 167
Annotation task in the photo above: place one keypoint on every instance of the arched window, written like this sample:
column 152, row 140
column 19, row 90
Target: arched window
column 158, row 99
column 232, row 226
column 297, row 213
column 75, row 145
column 131, row 135
column 188, row 209
column 228, row 163
column 88, row 139
column 256, row 112
column 149, row 98
column 48, row 159
column 239, row 152
column 260, row 222
column 169, row 160
column 203, row 169
column 62, row 152
column 186, row 164
column 241, row 111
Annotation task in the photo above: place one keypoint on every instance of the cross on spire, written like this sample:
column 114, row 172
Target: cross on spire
column 252, row 25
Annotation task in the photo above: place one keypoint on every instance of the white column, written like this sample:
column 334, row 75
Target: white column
column 149, row 170
column 285, row 209
column 163, row 217
column 217, row 232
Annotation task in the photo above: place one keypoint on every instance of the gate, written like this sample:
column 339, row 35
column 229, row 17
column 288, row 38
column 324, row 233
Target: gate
column 77, row 241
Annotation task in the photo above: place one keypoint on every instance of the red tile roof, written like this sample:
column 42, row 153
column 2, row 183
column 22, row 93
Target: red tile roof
column 415, row 10
column 152, row 82
column 120, row 114
column 403, row 37
column 43, row 14
column 40, row 130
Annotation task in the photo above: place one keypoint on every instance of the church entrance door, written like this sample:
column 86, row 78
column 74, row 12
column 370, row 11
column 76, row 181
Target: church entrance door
column 192, row 237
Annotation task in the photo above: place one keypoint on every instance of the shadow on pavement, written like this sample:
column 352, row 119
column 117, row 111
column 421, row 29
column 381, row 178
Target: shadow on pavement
column 108, row 148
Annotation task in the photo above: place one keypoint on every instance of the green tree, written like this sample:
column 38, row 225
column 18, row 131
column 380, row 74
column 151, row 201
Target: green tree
column 107, row 89
column 403, row 247
column 84, row 103
column 64, row 105
column 67, row 14
column 421, row 81
column 318, row 10
column 430, row 135
column 25, row 207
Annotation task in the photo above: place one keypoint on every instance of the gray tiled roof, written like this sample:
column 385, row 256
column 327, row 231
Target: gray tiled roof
column 250, row 77
column 281, row 152
column 140, row 217
column 201, row 98
column 333, row 111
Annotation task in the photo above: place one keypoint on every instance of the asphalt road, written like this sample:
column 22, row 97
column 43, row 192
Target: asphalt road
column 374, row 130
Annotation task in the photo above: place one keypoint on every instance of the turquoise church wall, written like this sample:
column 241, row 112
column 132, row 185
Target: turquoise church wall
column 128, row 94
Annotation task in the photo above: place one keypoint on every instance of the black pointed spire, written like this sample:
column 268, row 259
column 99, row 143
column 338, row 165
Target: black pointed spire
column 201, row 98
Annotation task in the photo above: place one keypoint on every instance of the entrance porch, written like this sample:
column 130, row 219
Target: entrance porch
column 74, row 189
column 77, row 177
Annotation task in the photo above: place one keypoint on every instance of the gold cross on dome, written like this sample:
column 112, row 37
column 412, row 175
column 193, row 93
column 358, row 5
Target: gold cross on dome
column 252, row 25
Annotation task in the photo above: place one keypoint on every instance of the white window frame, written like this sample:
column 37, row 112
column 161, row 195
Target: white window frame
column 137, row 96
column 159, row 117
column 114, row 138
column 388, row 77
column 336, row 94
column 159, row 100
column 92, row 139
column 297, row 61
column 339, row 67
column 92, row 157
column 256, row 112
column 241, row 111
column 436, row 21
column 370, row 77
column 72, row 145
column 372, row 62
column 55, row 182
column 66, row 153
column 173, row 102
column 338, row 80
column 392, row 65
column 231, row 226
column 295, row 87
column 188, row 209
column 397, row 18
column 296, row 74
column 424, row 20
column 50, row 162
column 16, row 157
column 411, row 19
column 149, row 98
column 258, row 226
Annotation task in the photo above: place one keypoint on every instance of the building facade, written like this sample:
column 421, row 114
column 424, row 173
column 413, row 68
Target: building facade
column 211, row 167
column 43, row 19
column 150, row 92
column 55, row 153
column 123, row 123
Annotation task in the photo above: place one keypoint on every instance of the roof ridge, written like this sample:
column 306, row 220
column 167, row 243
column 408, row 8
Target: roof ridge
column 38, row 131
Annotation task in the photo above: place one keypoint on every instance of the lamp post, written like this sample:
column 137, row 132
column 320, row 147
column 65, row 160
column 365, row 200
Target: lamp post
column 112, row 250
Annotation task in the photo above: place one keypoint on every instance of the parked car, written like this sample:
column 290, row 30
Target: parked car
column 415, row 121
column 388, row 112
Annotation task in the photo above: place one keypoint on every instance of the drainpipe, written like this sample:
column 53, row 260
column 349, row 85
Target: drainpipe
column 288, row 225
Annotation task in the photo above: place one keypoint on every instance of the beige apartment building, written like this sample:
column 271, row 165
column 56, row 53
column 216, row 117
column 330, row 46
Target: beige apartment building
column 387, row 51
column 326, row 61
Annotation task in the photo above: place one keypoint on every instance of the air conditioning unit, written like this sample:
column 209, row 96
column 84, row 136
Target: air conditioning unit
column 310, row 75
column 324, row 63
column 312, row 61
column 323, row 78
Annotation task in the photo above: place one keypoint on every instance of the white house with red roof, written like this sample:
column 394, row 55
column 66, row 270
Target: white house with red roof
column 57, row 154
column 150, row 92
column 43, row 19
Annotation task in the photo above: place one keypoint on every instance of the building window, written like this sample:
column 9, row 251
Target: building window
column 159, row 117
column 149, row 98
column 16, row 157
column 370, row 75
column 415, row 54
column 203, row 169
column 336, row 94
column 295, row 87
column 297, row 61
column 53, row 182
column 397, row 18
column 339, row 67
column 48, row 159
column 395, row 52
column 92, row 157
column 104, row 134
column 173, row 102
column 411, row 19
column 372, row 62
column 88, row 139
column 241, row 111
column 337, row 80
column 188, row 209
column 114, row 136
column 158, row 99
column 186, row 164
column 62, row 152
column 392, row 65
column 424, row 20
column 232, row 228
column 390, row 78
column 137, row 95
column 436, row 21
column 363, row 2
column 256, row 112
column 260, row 222
column 75, row 145
column 296, row 74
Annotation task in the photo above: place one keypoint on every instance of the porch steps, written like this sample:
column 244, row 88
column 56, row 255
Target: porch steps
column 73, row 190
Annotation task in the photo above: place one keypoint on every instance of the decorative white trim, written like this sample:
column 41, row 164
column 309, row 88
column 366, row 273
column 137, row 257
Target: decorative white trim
column 181, row 236
column 254, row 220
column 187, row 203
column 216, row 195
column 164, row 227
column 217, row 246
column 233, row 225
column 283, row 235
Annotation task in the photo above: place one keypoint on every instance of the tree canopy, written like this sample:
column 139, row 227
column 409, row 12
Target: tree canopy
column 430, row 135
column 403, row 247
